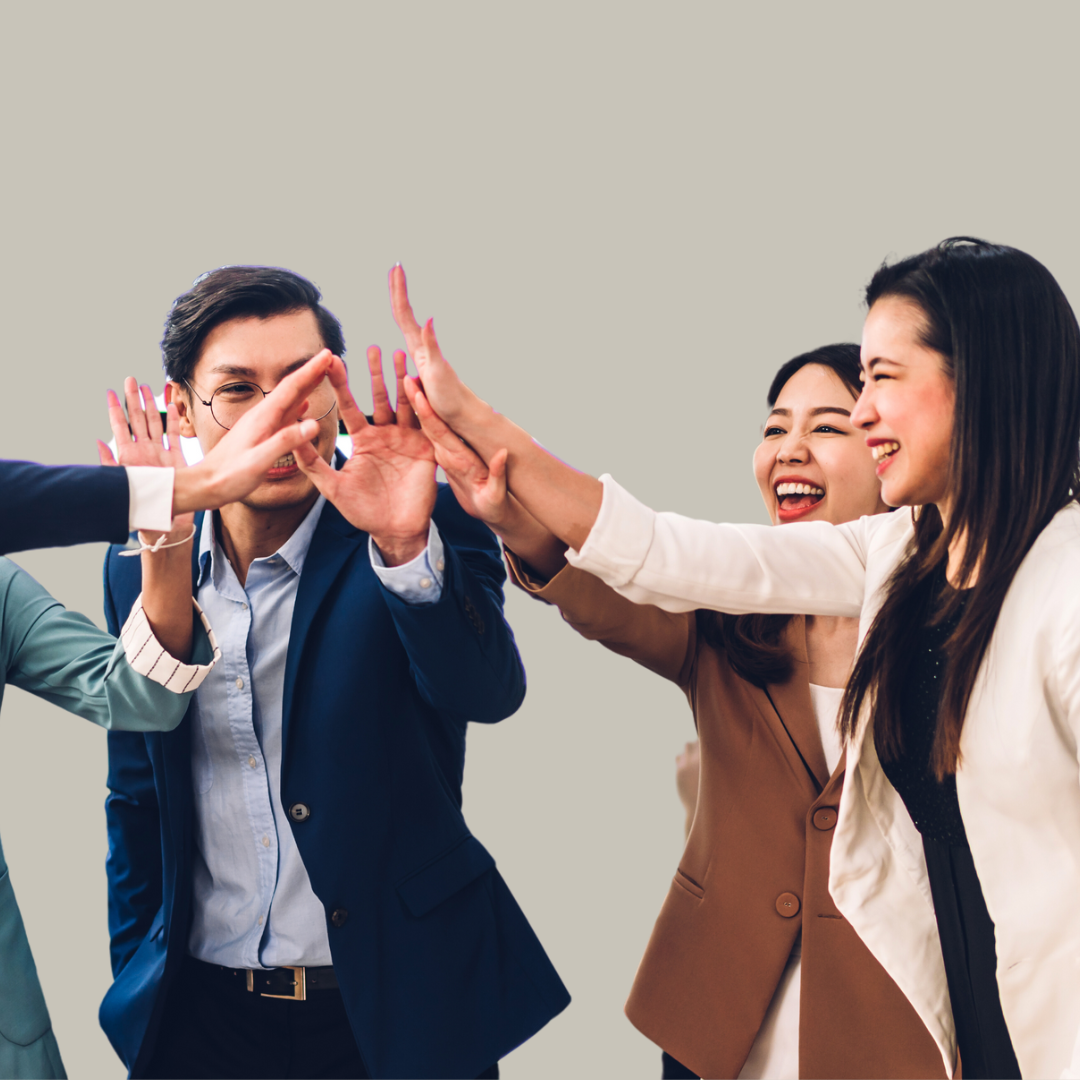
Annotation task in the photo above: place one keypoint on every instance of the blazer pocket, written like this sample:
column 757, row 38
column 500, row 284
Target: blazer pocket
column 426, row 888
column 688, row 884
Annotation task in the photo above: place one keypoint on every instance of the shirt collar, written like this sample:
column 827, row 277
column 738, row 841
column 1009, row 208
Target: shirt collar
column 293, row 552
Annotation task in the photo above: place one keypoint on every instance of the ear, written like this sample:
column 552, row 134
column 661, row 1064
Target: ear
column 176, row 393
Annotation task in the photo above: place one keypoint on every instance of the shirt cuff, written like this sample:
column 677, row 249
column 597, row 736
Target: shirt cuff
column 147, row 656
column 620, row 538
column 419, row 581
column 150, row 498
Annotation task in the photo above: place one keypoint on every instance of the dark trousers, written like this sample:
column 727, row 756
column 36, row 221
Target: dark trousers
column 212, row 1028
column 675, row 1070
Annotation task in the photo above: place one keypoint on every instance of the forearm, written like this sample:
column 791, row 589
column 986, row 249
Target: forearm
column 564, row 501
column 166, row 598
column 522, row 534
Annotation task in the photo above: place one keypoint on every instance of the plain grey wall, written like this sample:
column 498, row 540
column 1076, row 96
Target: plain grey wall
column 624, row 217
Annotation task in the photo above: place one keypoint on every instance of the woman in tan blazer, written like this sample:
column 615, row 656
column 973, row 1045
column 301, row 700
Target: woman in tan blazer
column 751, row 969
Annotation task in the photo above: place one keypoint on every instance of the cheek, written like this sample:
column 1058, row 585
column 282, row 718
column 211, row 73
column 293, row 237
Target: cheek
column 764, row 459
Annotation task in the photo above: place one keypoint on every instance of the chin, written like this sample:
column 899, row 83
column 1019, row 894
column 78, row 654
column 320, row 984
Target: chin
column 280, row 494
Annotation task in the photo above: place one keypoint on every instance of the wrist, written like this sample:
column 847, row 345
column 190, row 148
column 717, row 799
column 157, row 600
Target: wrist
column 193, row 490
column 398, row 550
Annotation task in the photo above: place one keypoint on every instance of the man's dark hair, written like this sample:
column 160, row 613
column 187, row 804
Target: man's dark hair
column 238, row 292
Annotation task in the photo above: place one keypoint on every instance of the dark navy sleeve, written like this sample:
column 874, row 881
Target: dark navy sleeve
column 56, row 505
column 461, row 649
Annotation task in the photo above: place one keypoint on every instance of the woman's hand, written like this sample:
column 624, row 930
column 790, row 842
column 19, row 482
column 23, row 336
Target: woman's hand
column 687, row 775
column 482, row 492
column 166, row 573
column 139, row 441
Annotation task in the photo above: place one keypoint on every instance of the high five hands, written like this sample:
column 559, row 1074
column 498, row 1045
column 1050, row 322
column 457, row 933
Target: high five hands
column 387, row 487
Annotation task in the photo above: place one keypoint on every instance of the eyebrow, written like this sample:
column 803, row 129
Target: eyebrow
column 814, row 412
column 242, row 372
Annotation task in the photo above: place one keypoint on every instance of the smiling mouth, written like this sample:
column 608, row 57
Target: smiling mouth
column 285, row 462
column 791, row 497
column 884, row 450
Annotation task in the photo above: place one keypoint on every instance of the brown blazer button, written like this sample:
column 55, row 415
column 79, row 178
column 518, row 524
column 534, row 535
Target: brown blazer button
column 787, row 903
column 825, row 818
column 339, row 917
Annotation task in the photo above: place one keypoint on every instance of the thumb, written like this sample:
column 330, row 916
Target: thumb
column 496, row 482
column 312, row 465
column 105, row 455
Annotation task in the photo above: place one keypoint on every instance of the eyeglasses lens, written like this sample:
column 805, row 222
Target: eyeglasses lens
column 228, row 403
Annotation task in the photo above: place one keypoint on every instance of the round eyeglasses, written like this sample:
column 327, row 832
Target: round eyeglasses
column 229, row 402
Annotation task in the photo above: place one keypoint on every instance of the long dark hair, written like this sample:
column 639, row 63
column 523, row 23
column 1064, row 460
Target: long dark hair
column 754, row 644
column 1010, row 342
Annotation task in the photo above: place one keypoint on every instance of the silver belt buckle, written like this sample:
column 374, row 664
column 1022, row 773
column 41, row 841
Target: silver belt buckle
column 299, row 984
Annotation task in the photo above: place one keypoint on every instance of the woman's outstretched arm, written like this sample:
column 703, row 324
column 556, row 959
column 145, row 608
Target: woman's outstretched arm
column 563, row 500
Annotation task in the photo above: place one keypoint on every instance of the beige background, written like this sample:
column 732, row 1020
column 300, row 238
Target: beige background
column 624, row 218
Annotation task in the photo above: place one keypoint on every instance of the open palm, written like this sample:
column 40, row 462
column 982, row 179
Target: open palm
column 387, row 487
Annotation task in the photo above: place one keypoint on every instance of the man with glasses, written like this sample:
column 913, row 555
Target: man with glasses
column 293, row 890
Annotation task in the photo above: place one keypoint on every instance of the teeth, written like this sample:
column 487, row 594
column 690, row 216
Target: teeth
column 284, row 462
column 798, row 489
column 883, row 450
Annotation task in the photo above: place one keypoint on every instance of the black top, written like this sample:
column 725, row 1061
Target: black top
column 964, row 924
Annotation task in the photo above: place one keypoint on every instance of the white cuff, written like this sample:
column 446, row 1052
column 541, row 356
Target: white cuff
column 419, row 581
column 148, row 657
column 620, row 538
column 150, row 498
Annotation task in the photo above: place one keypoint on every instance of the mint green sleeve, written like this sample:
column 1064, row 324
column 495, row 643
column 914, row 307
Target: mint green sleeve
column 63, row 657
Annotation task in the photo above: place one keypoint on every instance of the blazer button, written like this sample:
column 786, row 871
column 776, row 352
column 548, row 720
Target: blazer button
column 787, row 903
column 299, row 811
column 339, row 917
column 825, row 818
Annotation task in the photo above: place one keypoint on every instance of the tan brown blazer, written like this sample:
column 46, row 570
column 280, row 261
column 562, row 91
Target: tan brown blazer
column 755, row 870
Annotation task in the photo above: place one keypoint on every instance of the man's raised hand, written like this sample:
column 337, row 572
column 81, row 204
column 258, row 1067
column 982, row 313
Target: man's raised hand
column 387, row 487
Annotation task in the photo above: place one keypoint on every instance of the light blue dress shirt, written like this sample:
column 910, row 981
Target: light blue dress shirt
column 253, row 902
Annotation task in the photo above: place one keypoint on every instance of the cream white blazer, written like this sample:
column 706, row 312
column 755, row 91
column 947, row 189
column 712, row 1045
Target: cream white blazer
column 1019, row 779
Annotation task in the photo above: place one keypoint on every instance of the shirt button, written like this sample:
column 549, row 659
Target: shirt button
column 787, row 904
column 440, row 565
column 239, row 684
column 260, row 920
column 252, row 762
column 266, row 841
column 425, row 583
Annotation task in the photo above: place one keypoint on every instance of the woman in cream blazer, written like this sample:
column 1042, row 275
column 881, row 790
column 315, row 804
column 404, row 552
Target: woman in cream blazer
column 971, row 409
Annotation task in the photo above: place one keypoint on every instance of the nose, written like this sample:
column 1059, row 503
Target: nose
column 792, row 449
column 864, row 415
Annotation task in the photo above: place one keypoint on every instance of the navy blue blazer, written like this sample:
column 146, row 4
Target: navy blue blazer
column 52, row 505
column 440, row 972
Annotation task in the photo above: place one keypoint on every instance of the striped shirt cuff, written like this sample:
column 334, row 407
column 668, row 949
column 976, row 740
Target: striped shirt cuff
column 148, row 657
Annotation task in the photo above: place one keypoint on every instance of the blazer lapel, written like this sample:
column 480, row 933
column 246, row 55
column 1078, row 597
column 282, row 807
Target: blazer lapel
column 792, row 703
column 333, row 543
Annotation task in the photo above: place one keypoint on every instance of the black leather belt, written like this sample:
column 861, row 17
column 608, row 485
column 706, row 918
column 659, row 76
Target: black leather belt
column 287, row 983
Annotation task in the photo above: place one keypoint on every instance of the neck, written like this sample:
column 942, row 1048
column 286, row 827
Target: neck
column 248, row 533
column 957, row 550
